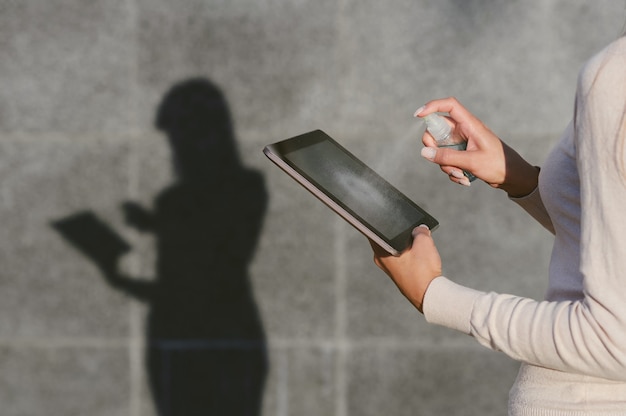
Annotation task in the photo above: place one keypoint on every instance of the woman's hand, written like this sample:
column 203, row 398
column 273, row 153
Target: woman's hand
column 415, row 268
column 486, row 156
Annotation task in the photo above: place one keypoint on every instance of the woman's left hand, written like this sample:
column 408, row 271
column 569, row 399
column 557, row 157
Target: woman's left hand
column 414, row 269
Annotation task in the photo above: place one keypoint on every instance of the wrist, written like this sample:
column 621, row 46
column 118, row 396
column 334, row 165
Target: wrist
column 418, row 299
column 525, row 183
column 520, row 177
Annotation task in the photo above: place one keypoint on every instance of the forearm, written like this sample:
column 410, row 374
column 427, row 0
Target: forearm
column 566, row 336
column 533, row 205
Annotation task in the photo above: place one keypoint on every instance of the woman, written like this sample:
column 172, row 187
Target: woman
column 572, row 345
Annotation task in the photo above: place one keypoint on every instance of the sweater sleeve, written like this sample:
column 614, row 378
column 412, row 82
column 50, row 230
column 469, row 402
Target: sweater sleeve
column 586, row 336
column 533, row 205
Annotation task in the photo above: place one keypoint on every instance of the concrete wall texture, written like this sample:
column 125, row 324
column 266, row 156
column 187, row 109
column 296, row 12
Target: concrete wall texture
column 246, row 295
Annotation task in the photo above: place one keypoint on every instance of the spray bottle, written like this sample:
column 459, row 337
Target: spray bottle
column 445, row 137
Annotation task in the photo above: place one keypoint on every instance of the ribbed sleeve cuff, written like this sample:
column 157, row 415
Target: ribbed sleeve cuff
column 449, row 304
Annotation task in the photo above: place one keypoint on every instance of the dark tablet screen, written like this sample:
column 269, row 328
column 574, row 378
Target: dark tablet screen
column 354, row 186
column 357, row 187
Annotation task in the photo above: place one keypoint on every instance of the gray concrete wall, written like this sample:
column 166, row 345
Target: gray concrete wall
column 81, row 84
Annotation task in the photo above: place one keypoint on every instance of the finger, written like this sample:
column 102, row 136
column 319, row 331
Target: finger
column 380, row 255
column 428, row 140
column 461, row 181
column 448, row 105
column 448, row 157
column 456, row 175
column 452, row 171
column 378, row 250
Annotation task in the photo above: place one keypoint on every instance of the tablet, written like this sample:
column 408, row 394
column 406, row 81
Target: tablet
column 350, row 188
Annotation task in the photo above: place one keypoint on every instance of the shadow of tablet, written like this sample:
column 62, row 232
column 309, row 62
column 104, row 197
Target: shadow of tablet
column 92, row 237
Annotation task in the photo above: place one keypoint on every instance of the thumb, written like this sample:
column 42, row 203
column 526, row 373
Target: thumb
column 423, row 239
column 447, row 157
column 421, row 229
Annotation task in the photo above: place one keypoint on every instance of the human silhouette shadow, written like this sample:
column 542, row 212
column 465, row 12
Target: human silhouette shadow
column 206, row 348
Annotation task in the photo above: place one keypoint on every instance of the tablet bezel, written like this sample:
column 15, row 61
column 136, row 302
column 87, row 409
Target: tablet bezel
column 278, row 153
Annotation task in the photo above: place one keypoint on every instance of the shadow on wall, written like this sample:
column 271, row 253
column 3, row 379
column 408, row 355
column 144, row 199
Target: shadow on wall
column 206, row 349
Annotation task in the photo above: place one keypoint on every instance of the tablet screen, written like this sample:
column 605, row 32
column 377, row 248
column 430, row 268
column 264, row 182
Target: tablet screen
column 353, row 186
column 357, row 187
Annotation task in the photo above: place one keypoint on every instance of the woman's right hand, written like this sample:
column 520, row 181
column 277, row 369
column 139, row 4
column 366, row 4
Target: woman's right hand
column 486, row 156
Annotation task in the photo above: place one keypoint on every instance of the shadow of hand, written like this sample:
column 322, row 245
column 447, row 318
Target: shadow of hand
column 137, row 216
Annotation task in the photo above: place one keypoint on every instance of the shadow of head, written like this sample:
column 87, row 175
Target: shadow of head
column 195, row 117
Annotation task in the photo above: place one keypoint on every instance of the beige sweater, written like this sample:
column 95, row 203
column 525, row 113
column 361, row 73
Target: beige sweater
column 572, row 345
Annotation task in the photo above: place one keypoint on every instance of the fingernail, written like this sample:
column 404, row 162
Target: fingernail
column 419, row 110
column 416, row 230
column 457, row 174
column 464, row 181
column 429, row 153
